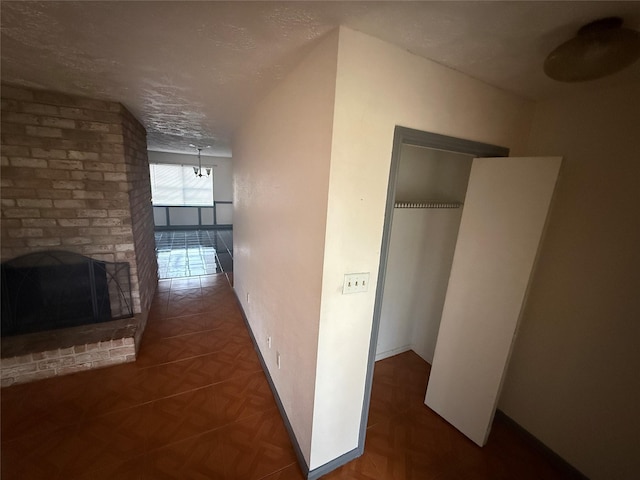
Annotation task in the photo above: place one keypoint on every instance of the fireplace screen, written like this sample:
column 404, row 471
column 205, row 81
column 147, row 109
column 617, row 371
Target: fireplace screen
column 51, row 290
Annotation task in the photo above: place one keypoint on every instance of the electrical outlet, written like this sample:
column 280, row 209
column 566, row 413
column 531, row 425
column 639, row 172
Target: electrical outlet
column 278, row 360
column 248, row 297
column 269, row 341
column 355, row 283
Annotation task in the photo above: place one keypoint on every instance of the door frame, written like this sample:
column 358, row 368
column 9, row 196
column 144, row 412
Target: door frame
column 419, row 138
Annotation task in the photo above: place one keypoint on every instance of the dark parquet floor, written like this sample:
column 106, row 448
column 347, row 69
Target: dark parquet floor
column 196, row 405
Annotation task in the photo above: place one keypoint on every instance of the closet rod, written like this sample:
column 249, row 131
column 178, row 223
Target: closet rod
column 428, row 205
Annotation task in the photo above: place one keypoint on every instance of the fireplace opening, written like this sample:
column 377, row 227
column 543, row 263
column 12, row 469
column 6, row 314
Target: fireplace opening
column 55, row 289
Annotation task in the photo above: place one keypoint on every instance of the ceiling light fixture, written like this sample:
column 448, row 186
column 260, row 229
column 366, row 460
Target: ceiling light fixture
column 198, row 170
column 599, row 49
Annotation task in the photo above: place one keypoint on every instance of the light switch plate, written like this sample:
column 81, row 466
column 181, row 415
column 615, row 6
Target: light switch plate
column 355, row 283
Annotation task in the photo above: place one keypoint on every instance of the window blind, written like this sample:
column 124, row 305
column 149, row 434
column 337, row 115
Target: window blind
column 177, row 185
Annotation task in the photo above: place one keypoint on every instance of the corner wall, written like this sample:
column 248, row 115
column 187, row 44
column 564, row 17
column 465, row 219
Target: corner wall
column 378, row 87
column 281, row 173
column 573, row 380
column 141, row 210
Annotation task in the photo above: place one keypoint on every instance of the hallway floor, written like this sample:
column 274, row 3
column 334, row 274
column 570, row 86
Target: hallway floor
column 196, row 405
column 187, row 253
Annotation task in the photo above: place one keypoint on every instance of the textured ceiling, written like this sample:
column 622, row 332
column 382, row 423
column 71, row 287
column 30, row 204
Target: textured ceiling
column 190, row 70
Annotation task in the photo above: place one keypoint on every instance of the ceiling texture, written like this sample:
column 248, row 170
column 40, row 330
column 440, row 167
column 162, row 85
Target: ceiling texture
column 190, row 71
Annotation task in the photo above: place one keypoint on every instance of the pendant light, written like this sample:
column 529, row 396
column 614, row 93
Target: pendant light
column 600, row 48
column 198, row 170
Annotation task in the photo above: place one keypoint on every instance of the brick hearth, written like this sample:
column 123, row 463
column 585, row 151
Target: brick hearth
column 26, row 358
column 75, row 177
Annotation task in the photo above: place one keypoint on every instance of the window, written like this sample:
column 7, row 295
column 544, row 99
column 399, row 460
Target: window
column 177, row 185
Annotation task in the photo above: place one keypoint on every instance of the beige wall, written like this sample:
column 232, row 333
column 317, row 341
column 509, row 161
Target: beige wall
column 281, row 176
column 378, row 87
column 574, row 378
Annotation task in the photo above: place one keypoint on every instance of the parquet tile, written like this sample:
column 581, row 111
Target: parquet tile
column 197, row 405
column 124, row 469
column 407, row 440
column 292, row 472
column 182, row 416
column 173, row 327
column 198, row 458
column 256, row 446
column 106, row 441
column 30, row 416
column 37, row 456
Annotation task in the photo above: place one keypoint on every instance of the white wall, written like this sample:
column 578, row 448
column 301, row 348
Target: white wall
column 426, row 174
column 378, row 87
column 420, row 254
column 421, row 247
column 574, row 378
column 222, row 168
column 281, row 174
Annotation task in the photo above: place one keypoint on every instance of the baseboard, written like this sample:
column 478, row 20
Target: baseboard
column 335, row 463
column 294, row 441
column 541, row 447
column 393, row 352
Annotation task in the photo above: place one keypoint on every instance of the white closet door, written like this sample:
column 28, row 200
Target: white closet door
column 502, row 222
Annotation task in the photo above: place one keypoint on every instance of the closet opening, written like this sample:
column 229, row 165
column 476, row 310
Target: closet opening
column 430, row 190
column 426, row 192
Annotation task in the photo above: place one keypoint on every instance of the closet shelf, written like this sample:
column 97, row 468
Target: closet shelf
column 428, row 205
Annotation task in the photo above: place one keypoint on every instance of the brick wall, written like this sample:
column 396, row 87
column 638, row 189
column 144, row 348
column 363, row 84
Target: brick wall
column 142, row 226
column 75, row 177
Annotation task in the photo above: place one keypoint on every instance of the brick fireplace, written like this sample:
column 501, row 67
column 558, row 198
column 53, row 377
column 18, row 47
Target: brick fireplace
column 75, row 177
